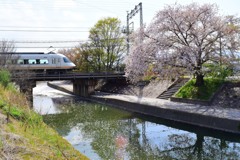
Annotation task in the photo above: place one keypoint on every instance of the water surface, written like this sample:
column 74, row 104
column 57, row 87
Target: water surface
column 102, row 132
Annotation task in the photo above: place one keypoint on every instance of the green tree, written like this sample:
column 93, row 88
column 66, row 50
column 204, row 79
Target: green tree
column 218, row 71
column 105, row 50
column 108, row 41
column 88, row 58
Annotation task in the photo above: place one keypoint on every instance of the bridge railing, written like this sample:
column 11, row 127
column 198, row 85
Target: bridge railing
column 66, row 76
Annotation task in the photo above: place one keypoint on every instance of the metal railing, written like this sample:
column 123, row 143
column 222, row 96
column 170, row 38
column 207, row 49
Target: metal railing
column 66, row 76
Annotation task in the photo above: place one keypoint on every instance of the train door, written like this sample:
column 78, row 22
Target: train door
column 56, row 62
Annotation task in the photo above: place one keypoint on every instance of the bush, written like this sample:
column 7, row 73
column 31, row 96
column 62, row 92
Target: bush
column 190, row 91
column 15, row 112
column 4, row 78
column 218, row 71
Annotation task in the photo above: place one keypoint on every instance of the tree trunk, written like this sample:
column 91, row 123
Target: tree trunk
column 199, row 80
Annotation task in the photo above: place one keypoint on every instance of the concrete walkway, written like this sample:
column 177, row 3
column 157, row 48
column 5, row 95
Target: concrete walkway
column 227, row 120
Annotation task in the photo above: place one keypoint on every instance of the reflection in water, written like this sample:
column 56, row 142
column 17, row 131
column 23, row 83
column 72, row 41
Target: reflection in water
column 121, row 143
column 44, row 105
column 102, row 132
column 46, row 99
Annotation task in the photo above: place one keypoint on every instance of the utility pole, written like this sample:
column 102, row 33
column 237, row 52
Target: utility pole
column 220, row 45
column 130, row 16
column 128, row 48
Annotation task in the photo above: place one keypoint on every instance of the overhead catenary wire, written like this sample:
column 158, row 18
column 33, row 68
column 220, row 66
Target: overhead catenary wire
column 45, row 47
column 77, row 5
column 41, row 27
column 62, row 41
column 54, row 46
column 60, row 6
column 65, row 4
column 36, row 30
column 53, row 41
column 22, row 30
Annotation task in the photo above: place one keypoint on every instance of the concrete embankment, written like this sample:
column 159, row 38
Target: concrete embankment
column 212, row 117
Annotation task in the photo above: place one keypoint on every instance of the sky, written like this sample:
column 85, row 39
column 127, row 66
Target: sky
column 35, row 25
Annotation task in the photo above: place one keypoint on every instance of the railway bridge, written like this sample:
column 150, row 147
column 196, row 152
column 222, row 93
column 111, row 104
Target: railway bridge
column 83, row 83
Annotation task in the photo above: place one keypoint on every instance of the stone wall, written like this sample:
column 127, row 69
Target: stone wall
column 229, row 97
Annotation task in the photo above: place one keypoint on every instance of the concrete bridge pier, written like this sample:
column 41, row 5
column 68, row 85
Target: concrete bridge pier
column 84, row 87
column 26, row 87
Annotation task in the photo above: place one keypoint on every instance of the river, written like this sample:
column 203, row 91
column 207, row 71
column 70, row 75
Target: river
column 106, row 133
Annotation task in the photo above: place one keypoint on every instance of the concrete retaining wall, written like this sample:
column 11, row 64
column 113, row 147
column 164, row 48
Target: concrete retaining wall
column 59, row 88
column 216, row 123
column 195, row 119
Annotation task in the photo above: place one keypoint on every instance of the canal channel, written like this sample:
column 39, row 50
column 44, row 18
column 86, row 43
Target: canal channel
column 103, row 132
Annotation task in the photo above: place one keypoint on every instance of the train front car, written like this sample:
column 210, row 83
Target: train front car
column 65, row 63
column 59, row 63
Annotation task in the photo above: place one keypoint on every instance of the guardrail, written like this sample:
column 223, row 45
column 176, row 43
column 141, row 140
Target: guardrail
column 66, row 76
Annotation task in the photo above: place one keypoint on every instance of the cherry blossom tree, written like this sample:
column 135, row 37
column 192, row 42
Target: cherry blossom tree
column 180, row 39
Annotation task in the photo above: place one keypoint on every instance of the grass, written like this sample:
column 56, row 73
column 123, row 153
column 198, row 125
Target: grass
column 26, row 136
column 40, row 142
column 190, row 91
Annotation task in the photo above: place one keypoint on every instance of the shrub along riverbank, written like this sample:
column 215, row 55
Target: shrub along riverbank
column 214, row 78
column 204, row 92
column 23, row 133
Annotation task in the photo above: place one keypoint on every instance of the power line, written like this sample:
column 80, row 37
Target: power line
column 63, row 4
column 47, row 47
column 28, row 30
column 53, row 46
column 63, row 41
column 20, row 30
column 44, row 27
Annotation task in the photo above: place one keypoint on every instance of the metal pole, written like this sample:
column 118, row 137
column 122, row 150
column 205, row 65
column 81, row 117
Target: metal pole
column 141, row 21
column 141, row 15
column 128, row 48
column 130, row 16
column 220, row 43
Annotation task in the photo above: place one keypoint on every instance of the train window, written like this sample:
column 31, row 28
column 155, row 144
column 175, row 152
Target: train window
column 32, row 61
column 38, row 61
column 25, row 61
column 43, row 61
column 20, row 61
column 66, row 60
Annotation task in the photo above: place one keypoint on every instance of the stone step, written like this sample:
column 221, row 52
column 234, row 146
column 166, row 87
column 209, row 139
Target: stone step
column 172, row 89
column 164, row 97
column 167, row 95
